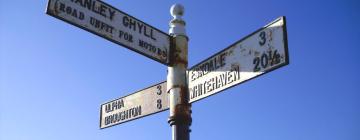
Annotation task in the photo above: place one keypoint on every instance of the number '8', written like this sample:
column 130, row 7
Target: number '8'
column 159, row 105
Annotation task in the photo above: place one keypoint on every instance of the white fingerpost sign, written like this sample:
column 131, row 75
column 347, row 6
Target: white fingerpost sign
column 145, row 102
column 112, row 24
column 258, row 53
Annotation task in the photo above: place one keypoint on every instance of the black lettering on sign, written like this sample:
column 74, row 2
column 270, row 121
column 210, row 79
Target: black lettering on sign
column 266, row 60
column 159, row 105
column 217, row 82
column 126, row 36
column 101, row 25
column 71, row 11
column 139, row 27
column 262, row 36
column 211, row 65
column 128, row 22
column 158, row 101
column 256, row 61
column 97, row 7
column 159, row 90
column 118, row 104
column 123, row 115
column 276, row 57
column 197, row 90
column 161, row 53
column 147, row 46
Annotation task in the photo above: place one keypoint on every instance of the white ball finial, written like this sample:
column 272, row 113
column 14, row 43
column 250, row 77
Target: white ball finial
column 177, row 10
column 177, row 24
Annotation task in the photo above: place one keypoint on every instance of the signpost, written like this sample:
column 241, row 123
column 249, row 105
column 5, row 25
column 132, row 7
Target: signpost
column 112, row 24
column 142, row 103
column 258, row 53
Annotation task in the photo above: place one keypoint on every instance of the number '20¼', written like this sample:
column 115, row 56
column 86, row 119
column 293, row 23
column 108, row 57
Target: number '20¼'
column 266, row 59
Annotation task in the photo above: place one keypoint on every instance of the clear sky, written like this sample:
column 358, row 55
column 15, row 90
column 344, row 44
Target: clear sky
column 54, row 76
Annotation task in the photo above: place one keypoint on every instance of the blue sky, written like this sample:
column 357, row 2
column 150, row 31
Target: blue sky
column 54, row 76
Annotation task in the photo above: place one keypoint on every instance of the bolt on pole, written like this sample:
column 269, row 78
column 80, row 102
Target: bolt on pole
column 180, row 109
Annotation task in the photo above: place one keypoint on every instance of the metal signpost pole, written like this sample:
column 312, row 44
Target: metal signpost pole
column 180, row 109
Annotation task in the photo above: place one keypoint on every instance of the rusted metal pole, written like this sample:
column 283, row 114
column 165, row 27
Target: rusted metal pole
column 180, row 109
